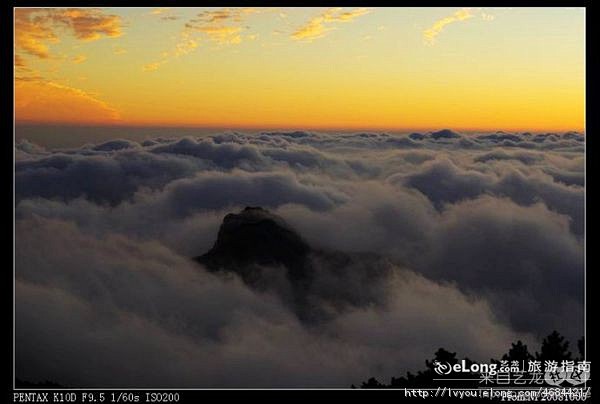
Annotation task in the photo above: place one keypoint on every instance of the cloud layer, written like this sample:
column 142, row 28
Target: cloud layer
column 35, row 28
column 318, row 26
column 480, row 236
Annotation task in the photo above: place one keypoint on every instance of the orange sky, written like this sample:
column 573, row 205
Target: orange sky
column 350, row 68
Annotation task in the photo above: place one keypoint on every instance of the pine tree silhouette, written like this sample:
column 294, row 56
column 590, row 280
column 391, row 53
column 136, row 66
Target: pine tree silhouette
column 372, row 383
column 442, row 356
column 518, row 352
column 554, row 348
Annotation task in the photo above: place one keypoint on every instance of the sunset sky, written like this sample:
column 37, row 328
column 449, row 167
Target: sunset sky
column 310, row 68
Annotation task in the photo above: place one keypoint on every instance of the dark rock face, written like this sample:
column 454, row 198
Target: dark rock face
column 269, row 255
column 256, row 237
column 250, row 242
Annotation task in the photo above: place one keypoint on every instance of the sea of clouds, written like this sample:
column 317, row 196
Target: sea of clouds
column 483, row 238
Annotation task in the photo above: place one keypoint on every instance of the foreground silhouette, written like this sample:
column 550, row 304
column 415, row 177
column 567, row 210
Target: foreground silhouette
column 47, row 384
column 554, row 348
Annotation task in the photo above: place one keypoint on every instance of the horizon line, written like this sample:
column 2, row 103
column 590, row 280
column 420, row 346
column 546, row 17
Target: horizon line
column 287, row 128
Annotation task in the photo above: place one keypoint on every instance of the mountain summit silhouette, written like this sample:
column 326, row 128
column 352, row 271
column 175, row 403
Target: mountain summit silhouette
column 257, row 238
column 269, row 255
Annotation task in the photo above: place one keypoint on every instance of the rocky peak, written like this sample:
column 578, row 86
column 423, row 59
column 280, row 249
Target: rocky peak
column 253, row 238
